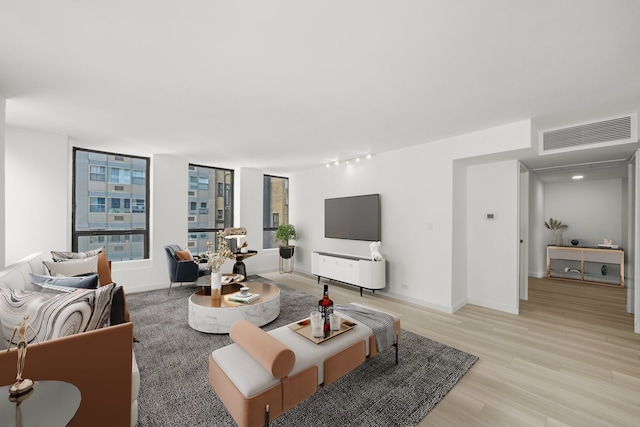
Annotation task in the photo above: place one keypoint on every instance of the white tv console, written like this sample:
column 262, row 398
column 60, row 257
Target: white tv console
column 350, row 269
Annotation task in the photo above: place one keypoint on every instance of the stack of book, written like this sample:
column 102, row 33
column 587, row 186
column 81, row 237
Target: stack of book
column 246, row 299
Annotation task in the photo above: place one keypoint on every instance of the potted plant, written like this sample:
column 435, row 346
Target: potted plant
column 284, row 233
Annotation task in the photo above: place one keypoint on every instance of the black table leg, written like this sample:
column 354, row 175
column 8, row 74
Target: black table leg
column 240, row 268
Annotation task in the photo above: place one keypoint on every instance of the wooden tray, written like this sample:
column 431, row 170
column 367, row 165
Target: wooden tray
column 303, row 328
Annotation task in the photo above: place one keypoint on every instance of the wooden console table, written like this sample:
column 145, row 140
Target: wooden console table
column 587, row 265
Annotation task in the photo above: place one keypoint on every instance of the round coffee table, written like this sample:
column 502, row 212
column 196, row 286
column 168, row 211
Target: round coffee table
column 49, row 403
column 215, row 316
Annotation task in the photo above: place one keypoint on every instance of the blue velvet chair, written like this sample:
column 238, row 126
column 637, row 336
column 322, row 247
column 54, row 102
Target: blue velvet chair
column 183, row 271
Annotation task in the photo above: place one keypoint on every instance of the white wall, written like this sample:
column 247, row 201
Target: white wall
column 538, row 234
column 593, row 210
column 417, row 189
column 460, row 290
column 248, row 214
column 39, row 168
column 493, row 244
column 36, row 193
column 629, row 233
column 3, row 104
column 416, row 185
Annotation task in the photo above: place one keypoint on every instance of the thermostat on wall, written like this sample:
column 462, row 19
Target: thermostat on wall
column 490, row 216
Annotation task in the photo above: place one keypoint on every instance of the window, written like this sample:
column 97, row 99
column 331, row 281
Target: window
column 203, row 183
column 193, row 182
column 275, row 209
column 110, row 193
column 97, row 173
column 139, row 206
column 138, row 177
column 210, row 205
column 96, row 204
column 119, row 176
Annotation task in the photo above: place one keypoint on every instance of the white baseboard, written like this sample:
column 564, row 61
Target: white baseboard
column 494, row 306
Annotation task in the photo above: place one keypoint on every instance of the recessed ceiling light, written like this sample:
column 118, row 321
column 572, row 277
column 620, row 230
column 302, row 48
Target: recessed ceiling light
column 577, row 177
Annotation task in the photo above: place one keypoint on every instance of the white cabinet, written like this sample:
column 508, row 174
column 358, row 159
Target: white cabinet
column 351, row 269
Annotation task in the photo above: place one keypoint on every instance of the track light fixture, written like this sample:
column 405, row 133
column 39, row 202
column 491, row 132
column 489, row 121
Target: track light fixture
column 349, row 161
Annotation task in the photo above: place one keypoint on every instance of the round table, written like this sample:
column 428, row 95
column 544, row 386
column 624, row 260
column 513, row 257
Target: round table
column 215, row 316
column 50, row 403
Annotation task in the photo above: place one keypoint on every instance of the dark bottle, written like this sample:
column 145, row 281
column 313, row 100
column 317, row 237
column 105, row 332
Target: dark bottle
column 325, row 307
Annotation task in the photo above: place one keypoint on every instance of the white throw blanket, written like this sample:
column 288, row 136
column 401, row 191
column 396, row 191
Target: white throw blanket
column 382, row 324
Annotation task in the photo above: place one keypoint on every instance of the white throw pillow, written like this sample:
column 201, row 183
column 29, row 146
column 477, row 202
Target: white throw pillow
column 74, row 267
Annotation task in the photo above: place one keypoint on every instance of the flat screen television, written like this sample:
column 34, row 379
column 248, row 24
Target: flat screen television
column 353, row 218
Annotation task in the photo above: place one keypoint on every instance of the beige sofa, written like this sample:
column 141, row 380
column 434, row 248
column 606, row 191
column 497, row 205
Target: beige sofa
column 101, row 363
column 280, row 368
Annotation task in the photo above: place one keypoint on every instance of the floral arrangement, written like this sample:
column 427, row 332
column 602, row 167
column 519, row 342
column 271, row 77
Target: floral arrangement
column 555, row 224
column 557, row 227
column 216, row 259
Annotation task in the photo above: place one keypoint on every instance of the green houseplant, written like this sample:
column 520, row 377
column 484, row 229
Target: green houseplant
column 284, row 233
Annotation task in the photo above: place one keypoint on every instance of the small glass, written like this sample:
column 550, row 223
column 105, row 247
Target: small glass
column 334, row 319
column 316, row 324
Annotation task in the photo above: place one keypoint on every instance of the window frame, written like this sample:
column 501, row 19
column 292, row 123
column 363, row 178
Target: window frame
column 131, row 233
column 198, row 231
column 269, row 214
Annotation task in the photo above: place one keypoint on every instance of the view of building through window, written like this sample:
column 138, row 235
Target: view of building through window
column 275, row 208
column 110, row 195
column 210, row 205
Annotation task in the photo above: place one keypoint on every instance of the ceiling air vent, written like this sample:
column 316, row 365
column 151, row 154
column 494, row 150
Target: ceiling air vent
column 620, row 130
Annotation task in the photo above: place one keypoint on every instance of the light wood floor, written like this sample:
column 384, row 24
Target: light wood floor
column 570, row 358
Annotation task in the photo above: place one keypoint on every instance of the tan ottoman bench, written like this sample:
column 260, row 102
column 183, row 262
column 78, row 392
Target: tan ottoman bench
column 263, row 374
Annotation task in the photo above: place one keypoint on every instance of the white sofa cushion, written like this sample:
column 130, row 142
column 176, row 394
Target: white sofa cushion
column 135, row 389
column 17, row 275
column 251, row 378
column 309, row 353
column 73, row 267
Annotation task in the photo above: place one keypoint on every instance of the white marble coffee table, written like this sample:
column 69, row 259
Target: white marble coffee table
column 215, row 316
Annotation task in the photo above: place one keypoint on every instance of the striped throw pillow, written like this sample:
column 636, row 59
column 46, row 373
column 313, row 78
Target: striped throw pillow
column 55, row 315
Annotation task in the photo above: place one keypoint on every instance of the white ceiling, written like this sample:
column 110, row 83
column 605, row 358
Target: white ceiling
column 288, row 85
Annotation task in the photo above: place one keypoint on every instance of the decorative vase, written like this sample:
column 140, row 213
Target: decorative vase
column 216, row 280
column 216, row 287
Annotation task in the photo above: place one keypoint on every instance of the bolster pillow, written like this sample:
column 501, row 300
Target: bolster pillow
column 274, row 356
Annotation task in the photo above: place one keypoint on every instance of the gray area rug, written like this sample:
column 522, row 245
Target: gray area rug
column 175, row 391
